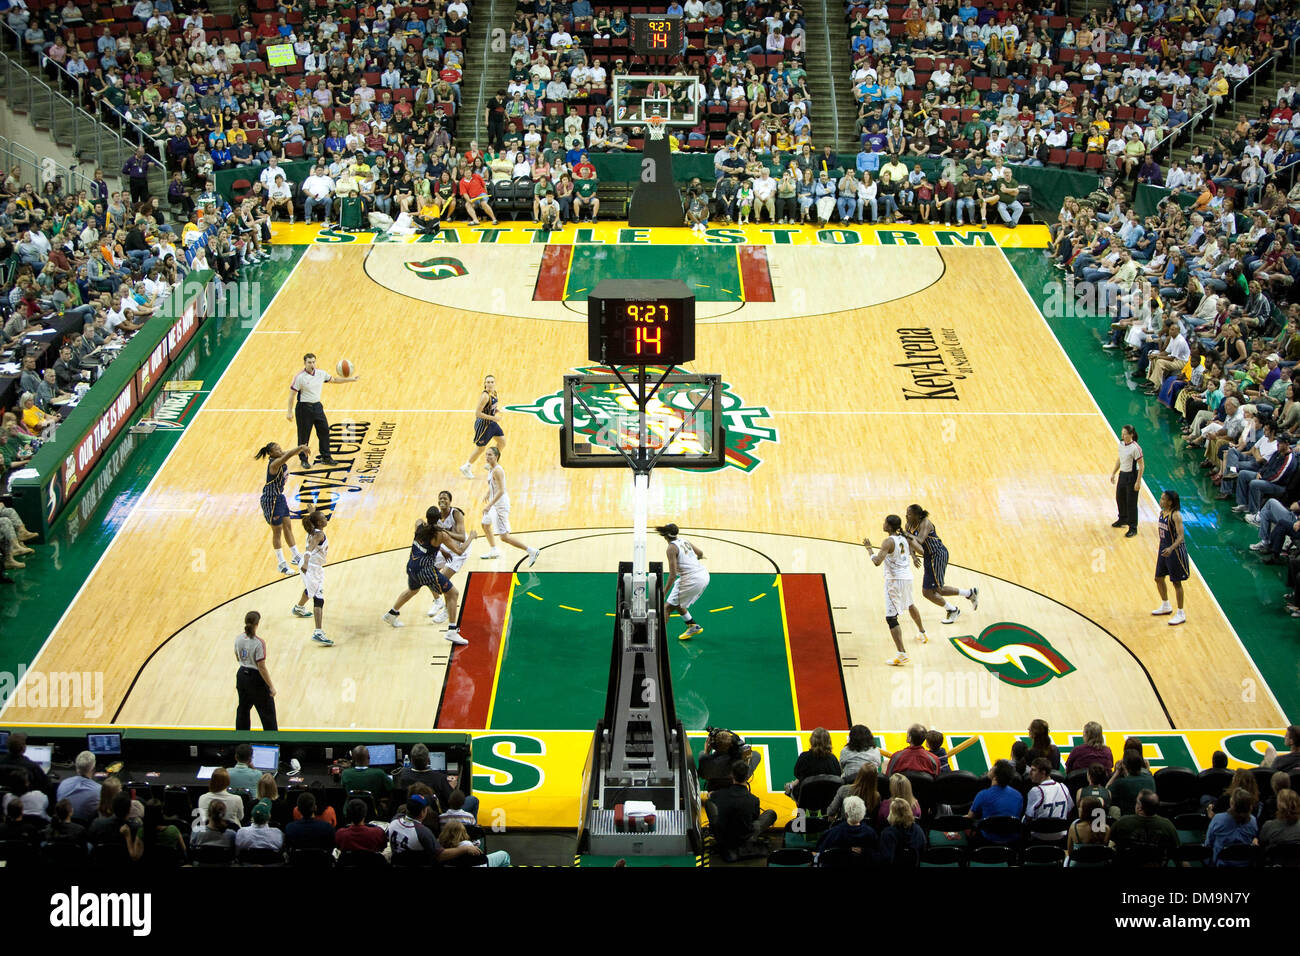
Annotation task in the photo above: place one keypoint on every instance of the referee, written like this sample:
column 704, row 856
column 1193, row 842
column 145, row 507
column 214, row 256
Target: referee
column 253, row 681
column 305, row 407
column 1128, row 470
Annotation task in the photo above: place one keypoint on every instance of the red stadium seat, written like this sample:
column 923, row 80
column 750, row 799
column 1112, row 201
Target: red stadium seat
column 1057, row 157
column 1075, row 159
column 1095, row 161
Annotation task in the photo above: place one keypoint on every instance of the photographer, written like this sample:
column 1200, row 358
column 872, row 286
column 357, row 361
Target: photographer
column 722, row 749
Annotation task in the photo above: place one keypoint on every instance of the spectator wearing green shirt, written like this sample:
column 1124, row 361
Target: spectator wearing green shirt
column 1142, row 825
column 362, row 776
column 586, row 206
column 1129, row 780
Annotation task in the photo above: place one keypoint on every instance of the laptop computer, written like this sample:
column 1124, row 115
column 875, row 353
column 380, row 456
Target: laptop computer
column 266, row 757
column 382, row 755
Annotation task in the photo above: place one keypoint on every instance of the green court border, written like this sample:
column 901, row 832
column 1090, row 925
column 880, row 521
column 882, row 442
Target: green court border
column 1249, row 592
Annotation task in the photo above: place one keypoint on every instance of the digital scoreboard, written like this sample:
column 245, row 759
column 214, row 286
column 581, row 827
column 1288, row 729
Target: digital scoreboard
column 655, row 34
column 641, row 322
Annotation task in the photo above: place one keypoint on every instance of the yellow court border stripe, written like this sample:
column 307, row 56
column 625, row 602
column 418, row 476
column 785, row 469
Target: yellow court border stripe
column 789, row 658
column 501, row 651
column 740, row 274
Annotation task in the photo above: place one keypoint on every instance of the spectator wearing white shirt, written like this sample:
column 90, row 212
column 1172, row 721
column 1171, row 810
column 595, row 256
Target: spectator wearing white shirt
column 268, row 174
column 317, row 190
column 279, row 196
column 765, row 196
column 1047, row 799
column 219, row 790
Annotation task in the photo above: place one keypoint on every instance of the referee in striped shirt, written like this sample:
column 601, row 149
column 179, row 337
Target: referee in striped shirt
column 1127, row 478
column 305, row 407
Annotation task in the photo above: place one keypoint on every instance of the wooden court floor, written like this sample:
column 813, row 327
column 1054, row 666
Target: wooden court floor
column 1014, row 470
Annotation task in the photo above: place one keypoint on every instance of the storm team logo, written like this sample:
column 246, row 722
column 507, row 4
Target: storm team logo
column 1016, row 654
column 672, row 403
column 439, row 267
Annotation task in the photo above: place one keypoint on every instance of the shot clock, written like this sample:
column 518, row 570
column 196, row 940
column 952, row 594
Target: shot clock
column 656, row 34
column 641, row 322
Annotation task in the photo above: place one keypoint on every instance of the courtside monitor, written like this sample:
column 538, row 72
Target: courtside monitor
column 40, row 754
column 266, row 757
column 382, row 755
column 4, row 739
column 437, row 760
column 104, row 745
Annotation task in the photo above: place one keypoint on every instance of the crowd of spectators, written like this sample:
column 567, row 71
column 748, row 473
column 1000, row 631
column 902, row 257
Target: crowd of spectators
column 869, row 807
column 1202, row 298
column 379, row 88
column 979, row 83
column 82, row 269
column 414, row 816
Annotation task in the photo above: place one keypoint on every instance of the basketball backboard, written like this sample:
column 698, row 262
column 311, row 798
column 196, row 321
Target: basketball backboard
column 601, row 424
column 675, row 97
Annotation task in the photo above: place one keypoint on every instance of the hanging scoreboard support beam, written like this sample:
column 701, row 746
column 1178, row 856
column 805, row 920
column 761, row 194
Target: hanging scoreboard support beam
column 640, row 785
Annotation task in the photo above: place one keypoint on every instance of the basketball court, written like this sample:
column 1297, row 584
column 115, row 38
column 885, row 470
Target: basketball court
column 860, row 376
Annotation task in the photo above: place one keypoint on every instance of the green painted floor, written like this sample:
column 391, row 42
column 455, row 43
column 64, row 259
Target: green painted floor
column 557, row 657
column 711, row 272
column 1218, row 541
column 31, row 608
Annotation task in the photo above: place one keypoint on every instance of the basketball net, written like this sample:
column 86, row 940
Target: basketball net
column 655, row 126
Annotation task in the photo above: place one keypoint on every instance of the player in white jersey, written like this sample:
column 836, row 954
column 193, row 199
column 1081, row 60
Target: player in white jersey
column 897, row 556
column 449, row 559
column 496, row 510
column 452, row 521
column 687, row 578
column 313, row 573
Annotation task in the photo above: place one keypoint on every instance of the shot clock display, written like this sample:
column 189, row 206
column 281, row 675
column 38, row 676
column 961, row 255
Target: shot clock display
column 641, row 322
column 656, row 34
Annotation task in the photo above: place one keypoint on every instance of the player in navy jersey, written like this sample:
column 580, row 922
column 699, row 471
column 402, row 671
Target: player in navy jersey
column 1171, row 561
column 275, row 509
column 921, row 533
column 486, row 425
column 422, row 571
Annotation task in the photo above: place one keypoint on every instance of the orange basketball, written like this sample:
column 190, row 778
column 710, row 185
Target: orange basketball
column 344, row 368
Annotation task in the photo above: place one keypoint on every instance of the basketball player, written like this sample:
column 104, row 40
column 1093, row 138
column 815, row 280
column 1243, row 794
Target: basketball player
column 313, row 573
column 274, row 506
column 421, row 572
column 897, row 557
column 687, row 578
column 486, row 426
column 496, row 511
column 452, row 521
column 305, row 407
column 923, row 538
column 450, row 559
column 1172, row 561
column 253, row 680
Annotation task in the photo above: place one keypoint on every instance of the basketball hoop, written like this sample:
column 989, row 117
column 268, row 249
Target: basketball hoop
column 655, row 125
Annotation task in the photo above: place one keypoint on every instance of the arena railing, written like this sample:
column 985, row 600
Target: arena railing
column 72, row 95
